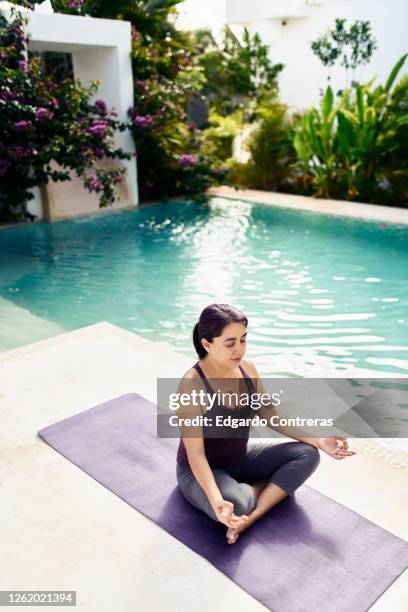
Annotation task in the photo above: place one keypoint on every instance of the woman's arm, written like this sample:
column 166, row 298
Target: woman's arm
column 223, row 509
column 201, row 469
column 268, row 410
column 328, row 445
column 194, row 444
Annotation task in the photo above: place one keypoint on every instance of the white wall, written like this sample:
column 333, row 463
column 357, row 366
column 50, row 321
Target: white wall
column 304, row 74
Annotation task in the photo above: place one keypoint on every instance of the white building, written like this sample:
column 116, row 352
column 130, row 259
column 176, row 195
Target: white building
column 288, row 27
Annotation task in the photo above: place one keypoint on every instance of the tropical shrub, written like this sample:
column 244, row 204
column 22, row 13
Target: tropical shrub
column 165, row 76
column 217, row 140
column 315, row 143
column 169, row 158
column 395, row 162
column 43, row 120
column 272, row 154
column 272, row 151
column 237, row 72
column 166, row 73
column 347, row 148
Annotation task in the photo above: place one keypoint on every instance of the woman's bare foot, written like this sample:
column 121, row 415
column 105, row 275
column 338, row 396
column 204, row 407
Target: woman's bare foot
column 233, row 532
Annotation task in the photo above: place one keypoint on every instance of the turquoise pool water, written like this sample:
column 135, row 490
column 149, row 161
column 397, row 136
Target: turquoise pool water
column 318, row 290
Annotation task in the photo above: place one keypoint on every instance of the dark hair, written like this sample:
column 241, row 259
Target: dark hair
column 212, row 321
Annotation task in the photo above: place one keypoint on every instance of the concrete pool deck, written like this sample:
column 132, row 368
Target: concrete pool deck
column 63, row 530
column 358, row 210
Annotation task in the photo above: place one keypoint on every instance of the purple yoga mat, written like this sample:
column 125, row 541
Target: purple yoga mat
column 307, row 553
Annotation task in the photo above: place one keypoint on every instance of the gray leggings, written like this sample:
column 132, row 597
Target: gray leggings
column 287, row 464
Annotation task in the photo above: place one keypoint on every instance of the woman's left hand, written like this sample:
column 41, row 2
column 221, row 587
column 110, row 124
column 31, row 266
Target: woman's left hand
column 331, row 447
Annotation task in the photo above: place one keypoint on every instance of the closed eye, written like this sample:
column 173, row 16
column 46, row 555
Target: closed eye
column 231, row 345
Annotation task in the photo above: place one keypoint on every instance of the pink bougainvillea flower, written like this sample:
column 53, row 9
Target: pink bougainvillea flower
column 23, row 124
column 4, row 166
column 135, row 34
column 98, row 128
column 23, row 65
column 188, row 159
column 22, row 151
column 44, row 113
column 101, row 105
column 92, row 182
column 75, row 4
column 143, row 121
column 7, row 95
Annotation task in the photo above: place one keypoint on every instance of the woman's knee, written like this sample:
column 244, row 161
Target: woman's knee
column 311, row 456
column 243, row 500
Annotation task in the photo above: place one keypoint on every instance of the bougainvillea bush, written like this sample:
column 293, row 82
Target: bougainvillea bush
column 44, row 121
column 169, row 159
column 166, row 73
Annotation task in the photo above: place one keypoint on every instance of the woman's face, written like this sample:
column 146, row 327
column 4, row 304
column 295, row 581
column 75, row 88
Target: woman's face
column 228, row 349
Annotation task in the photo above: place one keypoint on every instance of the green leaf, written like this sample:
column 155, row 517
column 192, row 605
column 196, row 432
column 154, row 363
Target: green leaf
column 345, row 132
column 327, row 102
column 403, row 120
column 370, row 115
column 360, row 104
column 369, row 83
column 302, row 149
column 312, row 132
column 155, row 5
column 367, row 140
column 395, row 71
column 350, row 116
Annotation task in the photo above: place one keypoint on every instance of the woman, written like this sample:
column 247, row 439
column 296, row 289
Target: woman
column 230, row 481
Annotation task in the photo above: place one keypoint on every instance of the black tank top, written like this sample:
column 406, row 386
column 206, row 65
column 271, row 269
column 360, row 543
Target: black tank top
column 223, row 452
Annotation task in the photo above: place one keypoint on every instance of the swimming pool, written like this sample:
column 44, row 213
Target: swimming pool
column 321, row 292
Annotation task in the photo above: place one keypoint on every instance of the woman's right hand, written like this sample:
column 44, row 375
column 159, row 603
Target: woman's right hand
column 224, row 511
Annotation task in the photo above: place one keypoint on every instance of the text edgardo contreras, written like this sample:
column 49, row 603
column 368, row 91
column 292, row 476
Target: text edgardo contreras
column 254, row 400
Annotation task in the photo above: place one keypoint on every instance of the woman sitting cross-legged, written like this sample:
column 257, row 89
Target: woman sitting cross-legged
column 230, row 480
